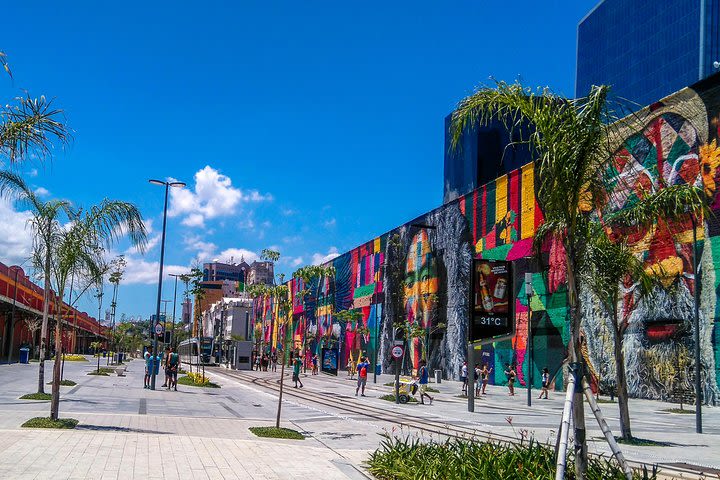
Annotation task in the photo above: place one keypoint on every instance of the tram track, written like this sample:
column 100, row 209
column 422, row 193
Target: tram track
column 424, row 424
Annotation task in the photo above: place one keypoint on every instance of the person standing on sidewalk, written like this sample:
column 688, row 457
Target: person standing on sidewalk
column 545, row 383
column 297, row 364
column 148, row 366
column 464, row 378
column 477, row 379
column 167, row 368
column 510, row 374
column 485, row 375
column 423, row 379
column 273, row 365
column 362, row 370
column 173, row 363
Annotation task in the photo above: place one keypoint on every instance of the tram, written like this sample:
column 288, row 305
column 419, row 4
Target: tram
column 197, row 351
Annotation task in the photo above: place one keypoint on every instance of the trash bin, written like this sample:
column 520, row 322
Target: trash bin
column 438, row 376
column 104, row 353
column 120, row 357
column 24, row 355
column 378, row 369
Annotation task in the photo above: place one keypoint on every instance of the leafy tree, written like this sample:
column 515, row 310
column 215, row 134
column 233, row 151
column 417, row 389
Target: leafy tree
column 117, row 268
column 571, row 140
column 310, row 274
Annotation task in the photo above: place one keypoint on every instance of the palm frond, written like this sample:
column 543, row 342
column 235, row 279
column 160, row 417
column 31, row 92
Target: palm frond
column 31, row 127
column 671, row 203
column 111, row 219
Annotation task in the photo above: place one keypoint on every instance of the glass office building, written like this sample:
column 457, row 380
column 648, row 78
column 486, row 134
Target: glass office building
column 647, row 49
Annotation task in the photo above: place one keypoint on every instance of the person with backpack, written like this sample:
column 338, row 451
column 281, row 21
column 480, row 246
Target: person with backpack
column 148, row 356
column 362, row 370
column 171, row 368
column 464, row 378
column 297, row 363
column 423, row 380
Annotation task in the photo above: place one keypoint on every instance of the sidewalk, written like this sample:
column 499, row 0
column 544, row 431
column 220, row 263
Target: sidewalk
column 128, row 432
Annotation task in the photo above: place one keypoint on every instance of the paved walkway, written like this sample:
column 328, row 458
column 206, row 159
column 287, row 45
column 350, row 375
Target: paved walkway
column 128, row 432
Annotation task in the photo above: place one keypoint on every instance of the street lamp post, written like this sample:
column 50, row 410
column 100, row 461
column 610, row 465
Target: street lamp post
column 167, row 186
column 172, row 332
column 696, row 323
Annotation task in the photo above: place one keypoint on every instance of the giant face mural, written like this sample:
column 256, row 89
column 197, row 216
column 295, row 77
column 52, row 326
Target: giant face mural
column 401, row 276
column 665, row 146
column 421, row 287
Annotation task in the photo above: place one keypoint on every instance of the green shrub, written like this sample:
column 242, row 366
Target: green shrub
column 272, row 432
column 390, row 397
column 36, row 396
column 190, row 379
column 47, row 422
column 73, row 358
column 65, row 383
column 104, row 372
column 679, row 410
column 409, row 459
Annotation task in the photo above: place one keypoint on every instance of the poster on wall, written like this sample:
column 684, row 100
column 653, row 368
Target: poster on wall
column 490, row 301
column 329, row 361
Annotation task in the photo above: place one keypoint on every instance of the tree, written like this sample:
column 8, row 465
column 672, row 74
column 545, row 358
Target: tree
column 310, row 274
column 196, row 289
column 45, row 225
column 571, row 140
column 96, row 346
column 610, row 264
column 33, row 324
column 117, row 267
column 75, row 251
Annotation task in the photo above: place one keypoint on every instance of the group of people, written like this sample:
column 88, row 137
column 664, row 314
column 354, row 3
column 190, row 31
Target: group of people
column 262, row 362
column 482, row 377
column 171, row 362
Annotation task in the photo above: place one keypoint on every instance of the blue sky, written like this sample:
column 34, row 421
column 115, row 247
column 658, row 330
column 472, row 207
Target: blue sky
column 310, row 127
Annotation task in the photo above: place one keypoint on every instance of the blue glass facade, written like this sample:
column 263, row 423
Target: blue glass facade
column 487, row 152
column 647, row 49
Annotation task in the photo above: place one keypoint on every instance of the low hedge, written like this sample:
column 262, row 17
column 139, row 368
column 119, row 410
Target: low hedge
column 36, row 396
column 272, row 432
column 47, row 422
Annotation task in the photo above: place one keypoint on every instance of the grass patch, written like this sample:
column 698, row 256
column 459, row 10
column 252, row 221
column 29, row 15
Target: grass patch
column 605, row 400
column 272, row 432
column 36, row 396
column 431, row 389
column 402, row 459
column 678, row 410
column 65, row 383
column 101, row 373
column 188, row 380
column 642, row 442
column 47, row 422
column 390, row 397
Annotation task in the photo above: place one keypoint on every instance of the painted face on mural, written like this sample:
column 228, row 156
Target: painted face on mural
column 421, row 287
column 670, row 149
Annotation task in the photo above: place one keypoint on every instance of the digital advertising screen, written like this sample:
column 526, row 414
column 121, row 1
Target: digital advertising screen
column 329, row 361
column 491, row 292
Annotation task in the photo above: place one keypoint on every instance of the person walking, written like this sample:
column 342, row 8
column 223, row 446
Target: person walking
column 166, row 367
column 485, row 376
column 297, row 364
column 273, row 364
column 477, row 380
column 545, row 383
column 257, row 362
column 362, row 370
column 464, row 378
column 423, row 380
column 510, row 374
column 172, row 365
column 148, row 366
column 315, row 364
column 350, row 368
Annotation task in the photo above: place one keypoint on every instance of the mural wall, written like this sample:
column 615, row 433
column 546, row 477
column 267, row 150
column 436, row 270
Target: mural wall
column 416, row 277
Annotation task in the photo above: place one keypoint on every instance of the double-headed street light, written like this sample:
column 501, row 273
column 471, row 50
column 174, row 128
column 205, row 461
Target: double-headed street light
column 167, row 186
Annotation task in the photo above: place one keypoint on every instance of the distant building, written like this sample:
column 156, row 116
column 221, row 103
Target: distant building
column 256, row 272
column 647, row 50
column 486, row 152
column 186, row 311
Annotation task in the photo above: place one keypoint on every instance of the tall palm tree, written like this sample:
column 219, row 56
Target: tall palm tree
column 45, row 224
column 75, row 252
column 572, row 143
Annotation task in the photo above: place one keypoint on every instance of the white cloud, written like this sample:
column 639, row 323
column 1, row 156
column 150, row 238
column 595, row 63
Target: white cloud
column 287, row 211
column 42, row 192
column 152, row 242
column 296, row 262
column 213, row 196
column 329, row 223
column 292, row 239
column 205, row 251
column 15, row 234
column 140, row 271
column 319, row 258
column 33, row 172
column 235, row 254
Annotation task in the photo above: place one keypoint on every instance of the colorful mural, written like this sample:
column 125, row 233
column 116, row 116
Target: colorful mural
column 418, row 274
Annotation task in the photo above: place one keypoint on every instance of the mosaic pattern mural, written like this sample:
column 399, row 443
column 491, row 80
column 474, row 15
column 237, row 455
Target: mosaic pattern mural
column 417, row 276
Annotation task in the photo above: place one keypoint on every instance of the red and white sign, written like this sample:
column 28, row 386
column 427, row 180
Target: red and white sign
column 397, row 352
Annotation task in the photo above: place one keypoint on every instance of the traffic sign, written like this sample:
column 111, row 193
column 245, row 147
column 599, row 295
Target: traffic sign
column 158, row 329
column 397, row 352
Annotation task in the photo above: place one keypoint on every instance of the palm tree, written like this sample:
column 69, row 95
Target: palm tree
column 572, row 142
column 75, row 252
column 45, row 225
column 608, row 265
